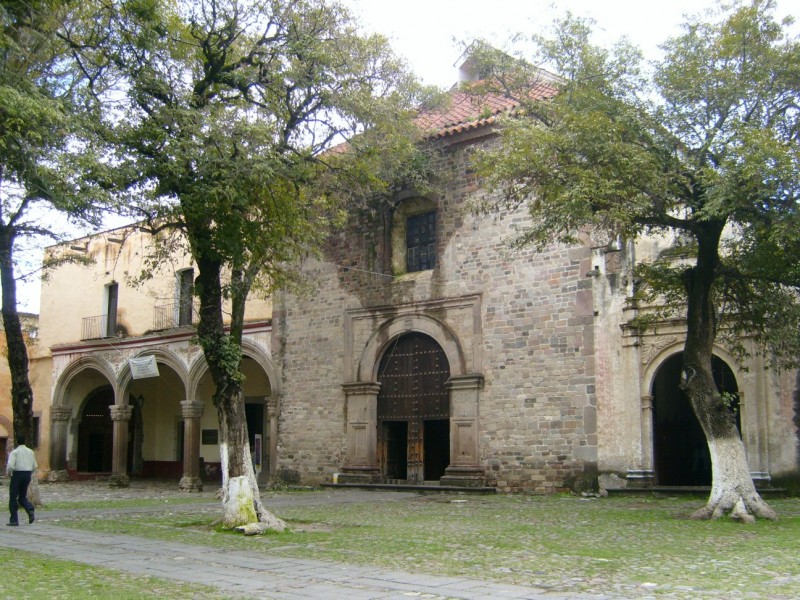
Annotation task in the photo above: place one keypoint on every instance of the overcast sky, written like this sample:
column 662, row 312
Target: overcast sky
column 426, row 33
column 423, row 31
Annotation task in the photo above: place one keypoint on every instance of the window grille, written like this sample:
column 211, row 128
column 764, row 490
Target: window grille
column 421, row 242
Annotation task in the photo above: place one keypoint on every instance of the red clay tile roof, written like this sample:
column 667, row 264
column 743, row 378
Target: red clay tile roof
column 468, row 111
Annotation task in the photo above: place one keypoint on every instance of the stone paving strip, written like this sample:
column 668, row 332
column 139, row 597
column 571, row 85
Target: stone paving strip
column 243, row 574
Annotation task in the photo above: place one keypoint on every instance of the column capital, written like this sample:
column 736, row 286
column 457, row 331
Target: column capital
column 192, row 409
column 121, row 412
column 361, row 388
column 465, row 382
column 60, row 413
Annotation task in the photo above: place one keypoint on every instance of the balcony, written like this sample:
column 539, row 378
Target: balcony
column 100, row 326
column 174, row 312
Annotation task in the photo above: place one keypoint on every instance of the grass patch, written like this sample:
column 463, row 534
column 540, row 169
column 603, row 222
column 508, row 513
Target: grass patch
column 39, row 577
column 570, row 544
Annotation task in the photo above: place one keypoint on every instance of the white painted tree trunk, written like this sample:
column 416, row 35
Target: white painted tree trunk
column 241, row 498
column 732, row 491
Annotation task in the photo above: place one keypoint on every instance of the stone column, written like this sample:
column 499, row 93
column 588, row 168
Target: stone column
column 465, row 469
column 192, row 412
column 273, row 406
column 361, row 462
column 645, row 476
column 120, row 415
column 59, row 419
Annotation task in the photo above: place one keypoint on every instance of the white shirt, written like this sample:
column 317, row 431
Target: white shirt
column 21, row 458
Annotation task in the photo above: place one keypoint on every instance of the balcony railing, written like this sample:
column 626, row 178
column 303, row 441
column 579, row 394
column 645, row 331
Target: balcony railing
column 174, row 312
column 98, row 327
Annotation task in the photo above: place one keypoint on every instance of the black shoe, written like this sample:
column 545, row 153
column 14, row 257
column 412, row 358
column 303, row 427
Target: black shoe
column 31, row 516
column 12, row 524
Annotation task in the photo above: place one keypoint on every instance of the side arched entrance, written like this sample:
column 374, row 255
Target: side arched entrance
column 261, row 393
column 95, row 432
column 413, row 410
column 679, row 446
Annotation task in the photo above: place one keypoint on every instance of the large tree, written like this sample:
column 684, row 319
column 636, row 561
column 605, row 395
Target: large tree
column 703, row 149
column 228, row 127
column 41, row 157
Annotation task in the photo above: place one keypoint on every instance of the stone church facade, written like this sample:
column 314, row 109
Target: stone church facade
column 430, row 352
column 426, row 353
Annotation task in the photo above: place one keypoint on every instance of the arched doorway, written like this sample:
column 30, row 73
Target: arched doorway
column 413, row 410
column 679, row 445
column 95, row 432
column 256, row 390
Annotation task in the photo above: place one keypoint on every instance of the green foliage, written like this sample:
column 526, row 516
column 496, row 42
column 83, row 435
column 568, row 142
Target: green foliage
column 42, row 139
column 42, row 155
column 731, row 401
column 226, row 121
column 704, row 152
column 226, row 354
column 232, row 116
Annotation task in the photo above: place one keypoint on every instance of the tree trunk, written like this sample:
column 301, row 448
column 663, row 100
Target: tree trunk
column 21, row 392
column 240, row 495
column 732, row 489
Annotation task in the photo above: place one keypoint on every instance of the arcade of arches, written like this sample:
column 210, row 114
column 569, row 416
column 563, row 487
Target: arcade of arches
column 109, row 424
column 411, row 419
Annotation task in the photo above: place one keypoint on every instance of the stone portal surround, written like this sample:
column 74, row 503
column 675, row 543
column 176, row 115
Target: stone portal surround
column 361, row 461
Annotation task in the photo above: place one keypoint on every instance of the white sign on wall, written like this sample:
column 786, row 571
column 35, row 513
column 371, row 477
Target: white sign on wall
column 143, row 367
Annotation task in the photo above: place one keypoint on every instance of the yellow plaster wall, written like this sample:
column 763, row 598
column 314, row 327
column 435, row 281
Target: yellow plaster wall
column 75, row 291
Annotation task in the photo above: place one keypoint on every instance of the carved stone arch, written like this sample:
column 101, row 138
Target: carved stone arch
column 252, row 350
column 197, row 369
column 163, row 356
column 258, row 353
column 674, row 448
column 384, row 335
column 654, row 364
column 8, row 426
column 76, row 367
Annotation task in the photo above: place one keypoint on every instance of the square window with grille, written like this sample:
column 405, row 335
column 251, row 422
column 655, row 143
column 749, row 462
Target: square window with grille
column 421, row 242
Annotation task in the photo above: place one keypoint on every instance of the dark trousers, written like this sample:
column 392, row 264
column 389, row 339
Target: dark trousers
column 18, row 494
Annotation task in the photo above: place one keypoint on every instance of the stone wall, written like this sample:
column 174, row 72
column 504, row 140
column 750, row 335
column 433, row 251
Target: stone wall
column 532, row 338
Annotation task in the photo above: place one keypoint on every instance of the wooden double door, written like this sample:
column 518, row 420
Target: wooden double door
column 413, row 410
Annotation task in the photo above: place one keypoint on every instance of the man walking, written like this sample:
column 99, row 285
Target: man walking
column 21, row 465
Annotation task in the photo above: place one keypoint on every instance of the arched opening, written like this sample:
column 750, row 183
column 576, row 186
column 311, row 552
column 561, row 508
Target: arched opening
column 95, row 432
column 256, row 390
column 680, row 449
column 413, row 410
column 155, row 429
